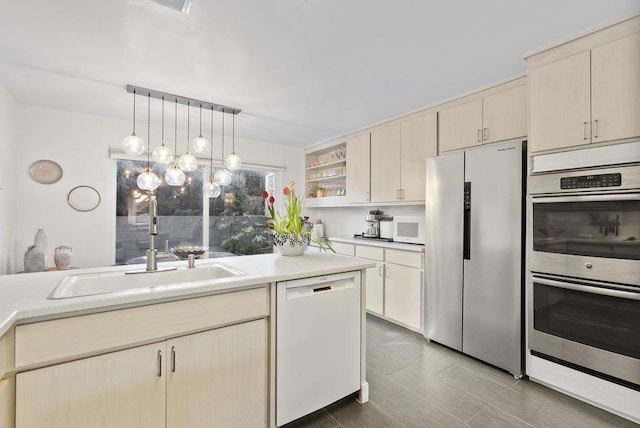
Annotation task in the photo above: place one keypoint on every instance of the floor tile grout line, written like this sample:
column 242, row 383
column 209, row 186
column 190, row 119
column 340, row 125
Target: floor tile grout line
column 476, row 412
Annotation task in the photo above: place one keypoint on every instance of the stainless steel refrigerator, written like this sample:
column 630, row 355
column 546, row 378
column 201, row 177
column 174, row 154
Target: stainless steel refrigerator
column 474, row 252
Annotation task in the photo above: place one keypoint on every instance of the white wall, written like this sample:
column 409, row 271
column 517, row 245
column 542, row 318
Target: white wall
column 79, row 143
column 347, row 221
column 8, row 144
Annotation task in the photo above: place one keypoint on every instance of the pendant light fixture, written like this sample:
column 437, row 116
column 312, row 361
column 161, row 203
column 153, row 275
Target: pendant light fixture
column 133, row 145
column 162, row 154
column 211, row 189
column 222, row 176
column 187, row 162
column 148, row 180
column 174, row 176
column 200, row 145
column 233, row 162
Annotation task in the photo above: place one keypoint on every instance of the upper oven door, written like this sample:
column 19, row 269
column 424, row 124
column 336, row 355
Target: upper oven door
column 595, row 236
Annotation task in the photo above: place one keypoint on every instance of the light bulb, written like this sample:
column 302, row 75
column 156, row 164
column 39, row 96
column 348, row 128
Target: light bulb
column 133, row 145
column 200, row 145
column 222, row 177
column 174, row 176
column 148, row 180
column 233, row 162
column 187, row 163
column 211, row 189
column 162, row 154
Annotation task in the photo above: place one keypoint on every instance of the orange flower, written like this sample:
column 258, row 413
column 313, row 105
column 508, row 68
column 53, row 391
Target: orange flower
column 286, row 191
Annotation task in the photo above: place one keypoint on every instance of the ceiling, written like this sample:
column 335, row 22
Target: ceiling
column 302, row 71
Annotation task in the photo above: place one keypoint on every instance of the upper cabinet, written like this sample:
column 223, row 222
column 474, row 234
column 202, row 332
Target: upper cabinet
column 495, row 114
column 587, row 90
column 358, row 168
column 398, row 153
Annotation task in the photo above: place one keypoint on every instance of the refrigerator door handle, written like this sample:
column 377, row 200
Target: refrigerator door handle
column 466, row 250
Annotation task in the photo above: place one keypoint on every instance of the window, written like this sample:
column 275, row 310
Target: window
column 235, row 221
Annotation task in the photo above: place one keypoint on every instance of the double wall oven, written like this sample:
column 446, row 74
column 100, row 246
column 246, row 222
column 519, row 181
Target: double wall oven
column 584, row 301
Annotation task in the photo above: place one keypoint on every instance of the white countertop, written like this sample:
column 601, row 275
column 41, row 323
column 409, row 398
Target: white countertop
column 419, row 248
column 23, row 297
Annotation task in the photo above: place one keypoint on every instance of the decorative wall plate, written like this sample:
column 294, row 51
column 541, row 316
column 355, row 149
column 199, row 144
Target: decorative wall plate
column 84, row 198
column 45, row 171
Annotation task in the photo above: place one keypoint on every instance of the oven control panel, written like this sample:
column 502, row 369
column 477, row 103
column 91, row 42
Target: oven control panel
column 587, row 181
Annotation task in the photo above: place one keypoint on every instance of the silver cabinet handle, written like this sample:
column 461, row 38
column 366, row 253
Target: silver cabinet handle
column 401, row 193
column 173, row 359
column 479, row 135
column 584, row 131
column 386, row 271
column 595, row 129
column 159, row 360
column 366, row 196
column 485, row 134
column 380, row 270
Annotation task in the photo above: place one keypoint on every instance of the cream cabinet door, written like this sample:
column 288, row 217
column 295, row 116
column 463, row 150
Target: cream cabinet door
column 375, row 289
column 385, row 163
column 119, row 389
column 615, row 89
column 358, row 168
column 7, row 403
column 403, row 294
column 418, row 141
column 218, row 378
column 504, row 115
column 460, row 126
column 559, row 104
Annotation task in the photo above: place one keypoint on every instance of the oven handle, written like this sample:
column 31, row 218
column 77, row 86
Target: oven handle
column 600, row 197
column 594, row 290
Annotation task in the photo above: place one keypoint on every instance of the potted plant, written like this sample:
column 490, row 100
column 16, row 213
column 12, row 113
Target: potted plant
column 289, row 234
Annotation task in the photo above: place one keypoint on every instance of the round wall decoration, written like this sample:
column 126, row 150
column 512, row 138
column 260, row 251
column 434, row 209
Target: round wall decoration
column 45, row 171
column 84, row 198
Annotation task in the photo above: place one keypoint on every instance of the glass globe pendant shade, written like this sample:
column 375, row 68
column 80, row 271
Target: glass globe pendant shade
column 174, row 176
column 133, row 145
column 162, row 154
column 211, row 189
column 233, row 162
column 187, row 163
column 222, row 177
column 148, row 180
column 199, row 145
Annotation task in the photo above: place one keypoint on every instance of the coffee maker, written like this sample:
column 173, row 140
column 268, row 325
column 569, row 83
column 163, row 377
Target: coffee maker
column 373, row 224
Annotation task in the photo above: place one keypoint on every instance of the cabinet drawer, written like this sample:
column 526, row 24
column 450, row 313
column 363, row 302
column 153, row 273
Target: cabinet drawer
column 406, row 258
column 87, row 334
column 372, row 253
column 344, row 249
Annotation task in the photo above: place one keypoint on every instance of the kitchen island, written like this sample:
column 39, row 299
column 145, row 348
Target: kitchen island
column 133, row 347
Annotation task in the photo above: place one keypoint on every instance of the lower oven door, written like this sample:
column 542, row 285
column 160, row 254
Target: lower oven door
column 595, row 236
column 588, row 324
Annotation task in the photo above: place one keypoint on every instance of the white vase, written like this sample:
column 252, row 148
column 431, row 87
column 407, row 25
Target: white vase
column 40, row 241
column 291, row 244
column 33, row 259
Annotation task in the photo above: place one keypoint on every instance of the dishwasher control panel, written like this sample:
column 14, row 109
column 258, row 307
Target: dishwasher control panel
column 315, row 289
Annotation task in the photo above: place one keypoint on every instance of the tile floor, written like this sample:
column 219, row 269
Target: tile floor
column 418, row 384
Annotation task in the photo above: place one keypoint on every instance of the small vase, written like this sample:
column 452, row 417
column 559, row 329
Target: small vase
column 62, row 257
column 33, row 259
column 291, row 244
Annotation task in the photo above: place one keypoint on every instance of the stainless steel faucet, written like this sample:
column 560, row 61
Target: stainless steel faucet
column 152, row 253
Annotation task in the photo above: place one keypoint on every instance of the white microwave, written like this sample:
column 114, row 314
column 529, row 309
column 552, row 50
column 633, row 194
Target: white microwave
column 409, row 229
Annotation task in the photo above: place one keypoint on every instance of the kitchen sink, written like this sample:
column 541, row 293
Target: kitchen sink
column 140, row 282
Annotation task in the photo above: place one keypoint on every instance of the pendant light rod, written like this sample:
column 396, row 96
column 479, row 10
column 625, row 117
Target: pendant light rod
column 180, row 99
column 149, row 130
column 211, row 174
column 175, row 131
column 223, row 137
column 162, row 121
column 188, row 124
column 233, row 134
column 134, row 112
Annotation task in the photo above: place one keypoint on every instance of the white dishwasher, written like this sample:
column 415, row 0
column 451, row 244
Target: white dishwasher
column 317, row 343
